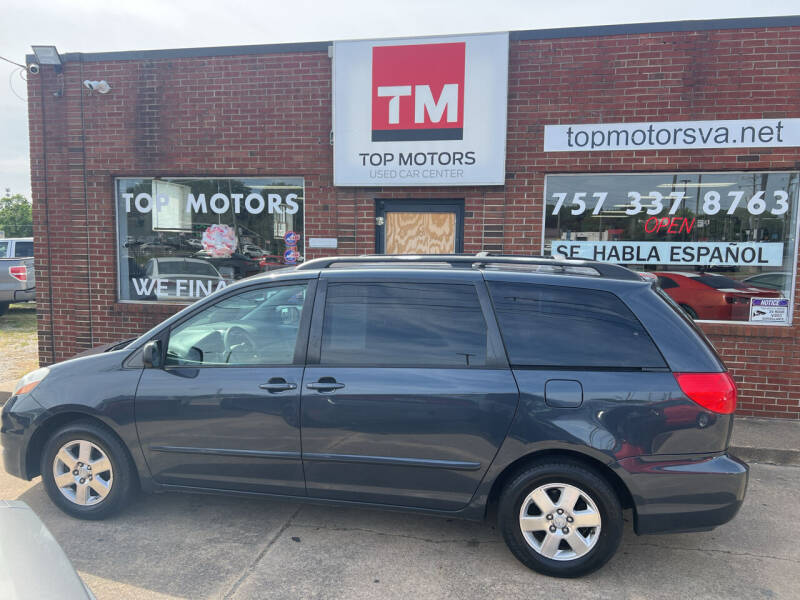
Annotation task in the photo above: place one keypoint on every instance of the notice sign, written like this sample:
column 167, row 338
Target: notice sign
column 673, row 135
column 428, row 112
column 769, row 310
column 675, row 253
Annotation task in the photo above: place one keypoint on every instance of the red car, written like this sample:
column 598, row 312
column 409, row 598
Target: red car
column 711, row 297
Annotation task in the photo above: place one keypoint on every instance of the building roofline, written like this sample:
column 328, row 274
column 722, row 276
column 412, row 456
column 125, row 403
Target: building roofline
column 530, row 34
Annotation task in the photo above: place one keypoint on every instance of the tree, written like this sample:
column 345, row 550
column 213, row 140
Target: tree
column 16, row 216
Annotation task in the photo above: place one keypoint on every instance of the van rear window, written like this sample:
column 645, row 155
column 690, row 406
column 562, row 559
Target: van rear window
column 558, row 326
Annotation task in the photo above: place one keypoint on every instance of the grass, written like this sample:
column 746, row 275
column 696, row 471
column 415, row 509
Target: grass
column 18, row 342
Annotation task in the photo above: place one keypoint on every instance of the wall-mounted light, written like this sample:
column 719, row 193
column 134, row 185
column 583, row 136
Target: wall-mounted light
column 101, row 87
column 48, row 55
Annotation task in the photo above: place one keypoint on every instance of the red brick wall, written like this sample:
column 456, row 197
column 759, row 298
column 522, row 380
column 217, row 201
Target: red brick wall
column 270, row 114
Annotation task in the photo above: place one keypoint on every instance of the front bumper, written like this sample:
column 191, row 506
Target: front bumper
column 16, row 419
column 687, row 493
column 13, row 456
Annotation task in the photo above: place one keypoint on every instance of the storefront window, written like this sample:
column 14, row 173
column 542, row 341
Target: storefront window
column 722, row 245
column 180, row 239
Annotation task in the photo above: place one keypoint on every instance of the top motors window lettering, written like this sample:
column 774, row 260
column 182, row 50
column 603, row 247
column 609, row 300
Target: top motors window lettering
column 253, row 203
column 181, row 239
column 690, row 229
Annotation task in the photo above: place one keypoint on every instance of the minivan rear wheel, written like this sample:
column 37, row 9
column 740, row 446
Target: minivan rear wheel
column 86, row 471
column 560, row 519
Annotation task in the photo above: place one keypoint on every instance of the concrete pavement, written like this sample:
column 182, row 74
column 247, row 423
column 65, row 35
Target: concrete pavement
column 773, row 441
column 192, row 546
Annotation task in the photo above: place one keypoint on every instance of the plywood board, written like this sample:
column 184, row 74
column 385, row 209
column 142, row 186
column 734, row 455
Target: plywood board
column 420, row 233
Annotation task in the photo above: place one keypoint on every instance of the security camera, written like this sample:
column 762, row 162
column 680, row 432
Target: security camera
column 33, row 68
column 101, row 87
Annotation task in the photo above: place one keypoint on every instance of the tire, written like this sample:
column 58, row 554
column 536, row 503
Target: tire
column 690, row 311
column 103, row 492
column 4, row 308
column 594, row 502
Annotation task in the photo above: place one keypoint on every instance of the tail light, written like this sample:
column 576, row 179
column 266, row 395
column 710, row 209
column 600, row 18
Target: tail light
column 713, row 391
column 19, row 273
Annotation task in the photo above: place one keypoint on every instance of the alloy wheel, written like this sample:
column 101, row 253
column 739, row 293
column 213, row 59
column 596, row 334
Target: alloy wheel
column 82, row 472
column 560, row 521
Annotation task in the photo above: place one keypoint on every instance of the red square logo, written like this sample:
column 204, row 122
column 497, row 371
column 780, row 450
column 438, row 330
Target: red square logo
column 418, row 92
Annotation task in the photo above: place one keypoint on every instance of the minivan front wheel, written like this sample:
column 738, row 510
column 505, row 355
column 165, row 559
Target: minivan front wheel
column 86, row 471
column 560, row 519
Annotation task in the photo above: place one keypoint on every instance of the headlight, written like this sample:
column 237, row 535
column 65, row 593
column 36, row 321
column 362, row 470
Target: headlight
column 30, row 381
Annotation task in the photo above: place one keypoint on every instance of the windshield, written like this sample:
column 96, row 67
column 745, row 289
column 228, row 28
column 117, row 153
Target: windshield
column 186, row 267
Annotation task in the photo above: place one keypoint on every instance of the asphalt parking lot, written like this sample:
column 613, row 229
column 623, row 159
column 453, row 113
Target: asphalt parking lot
column 193, row 546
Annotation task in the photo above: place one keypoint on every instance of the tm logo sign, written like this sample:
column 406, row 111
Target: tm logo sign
column 418, row 92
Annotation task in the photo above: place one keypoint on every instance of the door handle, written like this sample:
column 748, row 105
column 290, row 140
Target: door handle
column 325, row 384
column 278, row 384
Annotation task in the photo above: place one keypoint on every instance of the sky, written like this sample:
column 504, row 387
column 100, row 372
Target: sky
column 107, row 25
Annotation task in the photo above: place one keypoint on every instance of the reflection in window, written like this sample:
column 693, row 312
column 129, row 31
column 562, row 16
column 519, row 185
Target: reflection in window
column 403, row 324
column 721, row 242
column 548, row 325
column 181, row 239
column 252, row 328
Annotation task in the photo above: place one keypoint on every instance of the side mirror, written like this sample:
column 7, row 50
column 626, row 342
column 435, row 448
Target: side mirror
column 151, row 354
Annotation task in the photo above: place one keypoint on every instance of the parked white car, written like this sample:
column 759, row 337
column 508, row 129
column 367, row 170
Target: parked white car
column 182, row 278
column 253, row 251
column 27, row 546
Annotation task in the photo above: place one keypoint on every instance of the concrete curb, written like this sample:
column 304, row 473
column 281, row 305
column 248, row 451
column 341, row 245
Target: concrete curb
column 771, row 456
column 771, row 441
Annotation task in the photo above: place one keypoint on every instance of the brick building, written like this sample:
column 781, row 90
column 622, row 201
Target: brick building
column 234, row 120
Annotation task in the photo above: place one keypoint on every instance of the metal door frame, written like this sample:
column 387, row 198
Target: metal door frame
column 421, row 205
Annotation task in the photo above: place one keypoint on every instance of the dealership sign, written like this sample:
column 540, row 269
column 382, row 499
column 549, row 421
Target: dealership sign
column 420, row 111
column 673, row 135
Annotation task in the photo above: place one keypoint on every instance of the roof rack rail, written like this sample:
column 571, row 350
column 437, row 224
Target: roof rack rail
column 478, row 261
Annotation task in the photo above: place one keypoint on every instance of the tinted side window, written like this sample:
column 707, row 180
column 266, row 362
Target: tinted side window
column 258, row 327
column 666, row 282
column 23, row 249
column 545, row 325
column 403, row 324
column 3, row 249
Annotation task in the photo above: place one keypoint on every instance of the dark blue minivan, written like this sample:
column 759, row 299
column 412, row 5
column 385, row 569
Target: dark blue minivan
column 551, row 393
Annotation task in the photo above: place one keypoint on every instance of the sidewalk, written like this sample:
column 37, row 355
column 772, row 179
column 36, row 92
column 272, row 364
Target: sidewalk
column 773, row 441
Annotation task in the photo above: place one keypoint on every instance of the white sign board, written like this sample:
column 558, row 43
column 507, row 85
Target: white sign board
column 761, row 254
column 171, row 213
column 769, row 310
column 323, row 242
column 673, row 135
column 420, row 111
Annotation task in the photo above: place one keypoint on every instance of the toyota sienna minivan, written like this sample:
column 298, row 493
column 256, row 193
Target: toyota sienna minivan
column 549, row 394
